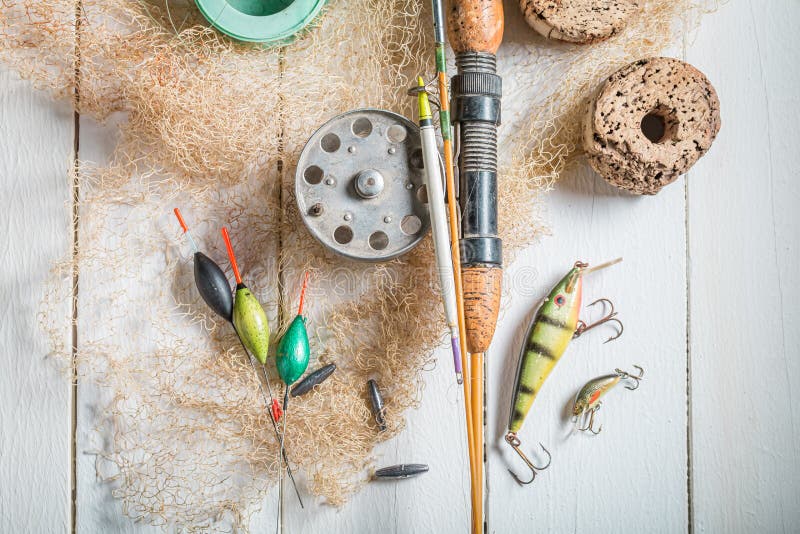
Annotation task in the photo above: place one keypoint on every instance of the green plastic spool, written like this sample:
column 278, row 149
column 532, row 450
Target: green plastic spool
column 260, row 21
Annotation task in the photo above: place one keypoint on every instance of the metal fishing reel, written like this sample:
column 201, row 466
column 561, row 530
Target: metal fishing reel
column 360, row 185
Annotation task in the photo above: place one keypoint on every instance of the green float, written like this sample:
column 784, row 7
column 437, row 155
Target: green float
column 293, row 351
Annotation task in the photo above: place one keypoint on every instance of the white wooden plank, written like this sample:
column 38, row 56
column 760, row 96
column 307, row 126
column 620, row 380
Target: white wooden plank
column 97, row 509
column 636, row 469
column 35, row 158
column 744, row 242
column 437, row 501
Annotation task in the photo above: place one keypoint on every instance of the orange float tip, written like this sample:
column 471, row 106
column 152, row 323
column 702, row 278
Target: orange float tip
column 186, row 229
column 231, row 255
column 303, row 295
column 180, row 220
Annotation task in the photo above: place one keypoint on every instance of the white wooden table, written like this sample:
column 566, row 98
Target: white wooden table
column 707, row 293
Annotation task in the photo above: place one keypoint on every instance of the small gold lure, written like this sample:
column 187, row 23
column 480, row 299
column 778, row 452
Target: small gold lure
column 588, row 402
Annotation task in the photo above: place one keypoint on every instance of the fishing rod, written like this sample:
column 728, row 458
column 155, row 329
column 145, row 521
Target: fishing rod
column 447, row 149
column 442, row 250
column 450, row 182
column 475, row 30
column 441, row 246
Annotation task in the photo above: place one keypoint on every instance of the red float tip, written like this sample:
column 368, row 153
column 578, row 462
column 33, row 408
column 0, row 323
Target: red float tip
column 231, row 255
column 277, row 412
column 303, row 295
column 180, row 220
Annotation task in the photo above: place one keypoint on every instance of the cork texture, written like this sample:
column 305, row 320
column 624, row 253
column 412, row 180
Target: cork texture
column 475, row 25
column 578, row 21
column 674, row 95
column 482, row 286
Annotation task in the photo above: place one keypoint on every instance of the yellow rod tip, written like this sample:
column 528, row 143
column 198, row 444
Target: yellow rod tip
column 422, row 101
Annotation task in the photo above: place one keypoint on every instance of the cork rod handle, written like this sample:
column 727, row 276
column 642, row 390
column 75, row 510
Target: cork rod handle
column 482, row 286
column 475, row 25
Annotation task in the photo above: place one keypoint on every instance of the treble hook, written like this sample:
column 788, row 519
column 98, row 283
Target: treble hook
column 636, row 379
column 590, row 426
column 513, row 440
column 610, row 318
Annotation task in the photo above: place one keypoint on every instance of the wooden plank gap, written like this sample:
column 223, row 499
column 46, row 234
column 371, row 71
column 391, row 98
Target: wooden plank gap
column 281, row 313
column 281, row 168
column 73, row 398
column 689, row 474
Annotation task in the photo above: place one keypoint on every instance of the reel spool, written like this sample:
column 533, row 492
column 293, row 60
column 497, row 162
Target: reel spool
column 360, row 185
column 273, row 22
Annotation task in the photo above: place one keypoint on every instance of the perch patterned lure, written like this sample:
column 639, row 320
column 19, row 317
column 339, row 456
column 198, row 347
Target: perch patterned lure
column 313, row 379
column 212, row 284
column 555, row 325
column 588, row 401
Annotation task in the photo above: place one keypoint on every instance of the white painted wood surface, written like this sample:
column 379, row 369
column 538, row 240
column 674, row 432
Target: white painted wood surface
column 35, row 156
column 744, row 248
column 706, row 291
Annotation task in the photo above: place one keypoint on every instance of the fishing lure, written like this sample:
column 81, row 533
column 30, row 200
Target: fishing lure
column 401, row 471
column 212, row 284
column 313, row 379
column 588, row 399
column 377, row 403
column 555, row 325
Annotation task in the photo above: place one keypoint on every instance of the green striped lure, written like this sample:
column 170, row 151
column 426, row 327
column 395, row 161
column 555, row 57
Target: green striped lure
column 588, row 401
column 556, row 323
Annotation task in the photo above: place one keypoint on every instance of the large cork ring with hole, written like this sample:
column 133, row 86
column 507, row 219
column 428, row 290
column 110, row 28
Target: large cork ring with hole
column 649, row 123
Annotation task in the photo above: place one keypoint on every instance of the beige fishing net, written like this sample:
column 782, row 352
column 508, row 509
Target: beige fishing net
column 216, row 127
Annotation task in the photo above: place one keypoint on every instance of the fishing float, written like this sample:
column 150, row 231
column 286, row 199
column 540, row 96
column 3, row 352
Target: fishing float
column 212, row 284
column 441, row 243
column 291, row 360
column 251, row 322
